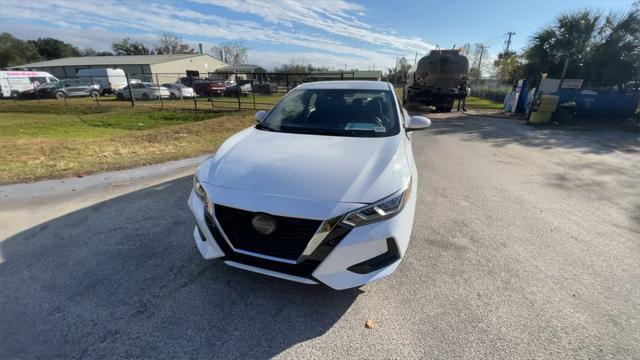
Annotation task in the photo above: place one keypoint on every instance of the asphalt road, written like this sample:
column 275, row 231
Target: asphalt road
column 526, row 244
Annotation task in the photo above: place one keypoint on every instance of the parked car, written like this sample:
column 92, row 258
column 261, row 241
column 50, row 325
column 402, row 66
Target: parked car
column 265, row 88
column 41, row 91
column 144, row 91
column 63, row 89
column 204, row 87
column 231, row 88
column 321, row 190
column 177, row 90
column 109, row 79
column 12, row 83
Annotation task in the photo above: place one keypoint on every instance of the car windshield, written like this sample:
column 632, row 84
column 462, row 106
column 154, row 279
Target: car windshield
column 337, row 112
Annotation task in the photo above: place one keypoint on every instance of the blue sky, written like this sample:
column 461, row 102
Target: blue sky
column 335, row 33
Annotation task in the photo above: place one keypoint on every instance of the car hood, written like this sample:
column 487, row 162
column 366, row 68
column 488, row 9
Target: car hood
column 315, row 167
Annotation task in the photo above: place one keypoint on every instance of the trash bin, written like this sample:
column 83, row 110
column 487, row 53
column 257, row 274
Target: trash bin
column 543, row 108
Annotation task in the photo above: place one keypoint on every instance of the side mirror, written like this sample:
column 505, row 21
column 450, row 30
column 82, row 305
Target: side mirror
column 418, row 123
column 260, row 115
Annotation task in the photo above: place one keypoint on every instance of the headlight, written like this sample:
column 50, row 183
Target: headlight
column 380, row 210
column 197, row 187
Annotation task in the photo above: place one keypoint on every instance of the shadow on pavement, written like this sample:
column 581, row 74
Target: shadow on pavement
column 501, row 132
column 123, row 278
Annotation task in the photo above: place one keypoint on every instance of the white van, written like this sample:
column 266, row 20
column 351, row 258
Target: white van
column 13, row 83
column 109, row 79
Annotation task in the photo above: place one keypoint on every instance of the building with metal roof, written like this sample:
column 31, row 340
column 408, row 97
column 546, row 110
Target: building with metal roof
column 144, row 67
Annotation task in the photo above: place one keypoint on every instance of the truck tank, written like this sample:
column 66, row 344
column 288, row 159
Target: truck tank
column 436, row 79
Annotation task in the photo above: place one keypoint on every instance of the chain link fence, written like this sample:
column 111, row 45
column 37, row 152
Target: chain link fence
column 176, row 91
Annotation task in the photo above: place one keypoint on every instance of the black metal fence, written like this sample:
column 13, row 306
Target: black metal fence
column 211, row 91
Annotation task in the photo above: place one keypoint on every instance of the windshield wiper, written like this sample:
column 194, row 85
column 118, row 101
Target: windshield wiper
column 261, row 126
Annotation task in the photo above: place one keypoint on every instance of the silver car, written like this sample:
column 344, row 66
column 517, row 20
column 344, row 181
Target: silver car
column 179, row 91
column 143, row 91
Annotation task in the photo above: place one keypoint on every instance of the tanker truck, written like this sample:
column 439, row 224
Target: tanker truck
column 437, row 80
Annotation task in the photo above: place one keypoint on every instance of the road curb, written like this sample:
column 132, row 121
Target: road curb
column 24, row 192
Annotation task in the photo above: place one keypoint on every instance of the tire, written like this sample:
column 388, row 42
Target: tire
column 60, row 95
column 172, row 96
column 15, row 94
column 120, row 97
column 145, row 97
column 94, row 94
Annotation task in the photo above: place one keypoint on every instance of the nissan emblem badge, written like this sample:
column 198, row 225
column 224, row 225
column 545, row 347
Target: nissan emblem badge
column 264, row 224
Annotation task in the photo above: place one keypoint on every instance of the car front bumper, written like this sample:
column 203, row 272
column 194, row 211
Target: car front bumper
column 339, row 268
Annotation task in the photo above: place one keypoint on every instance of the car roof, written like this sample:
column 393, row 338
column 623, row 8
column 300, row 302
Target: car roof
column 347, row 84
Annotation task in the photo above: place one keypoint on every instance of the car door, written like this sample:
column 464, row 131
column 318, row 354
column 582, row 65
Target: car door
column 137, row 89
column 71, row 87
column 83, row 87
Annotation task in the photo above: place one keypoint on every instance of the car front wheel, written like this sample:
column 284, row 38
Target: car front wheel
column 60, row 95
column 94, row 94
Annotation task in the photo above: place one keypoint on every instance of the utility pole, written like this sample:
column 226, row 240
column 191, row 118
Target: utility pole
column 395, row 73
column 415, row 59
column 508, row 42
column 482, row 47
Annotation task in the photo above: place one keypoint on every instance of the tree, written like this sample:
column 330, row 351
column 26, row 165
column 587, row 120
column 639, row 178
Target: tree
column 298, row 67
column 615, row 59
column 399, row 73
column 604, row 50
column 478, row 55
column 508, row 66
column 50, row 48
column 232, row 52
column 128, row 47
column 14, row 51
column 93, row 52
column 171, row 44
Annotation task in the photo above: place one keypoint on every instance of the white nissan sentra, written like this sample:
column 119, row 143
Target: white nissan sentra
column 321, row 190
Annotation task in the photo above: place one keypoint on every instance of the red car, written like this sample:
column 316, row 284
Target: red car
column 204, row 87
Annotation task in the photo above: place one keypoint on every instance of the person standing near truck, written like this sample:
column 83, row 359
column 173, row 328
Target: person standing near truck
column 464, row 91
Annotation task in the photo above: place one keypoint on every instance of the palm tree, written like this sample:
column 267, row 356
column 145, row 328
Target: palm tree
column 586, row 44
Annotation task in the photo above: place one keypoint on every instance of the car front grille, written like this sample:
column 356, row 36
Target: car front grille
column 303, row 269
column 289, row 239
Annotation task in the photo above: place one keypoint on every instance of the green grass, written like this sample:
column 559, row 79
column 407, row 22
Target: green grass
column 71, row 126
column 49, row 140
column 477, row 103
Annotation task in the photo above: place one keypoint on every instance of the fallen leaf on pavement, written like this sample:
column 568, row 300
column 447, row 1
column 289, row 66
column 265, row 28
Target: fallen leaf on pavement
column 370, row 324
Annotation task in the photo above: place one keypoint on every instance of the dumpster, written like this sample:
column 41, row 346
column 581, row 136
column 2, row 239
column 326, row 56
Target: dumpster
column 543, row 108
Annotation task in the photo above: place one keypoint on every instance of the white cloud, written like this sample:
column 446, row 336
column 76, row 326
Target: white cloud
column 103, row 21
column 333, row 16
